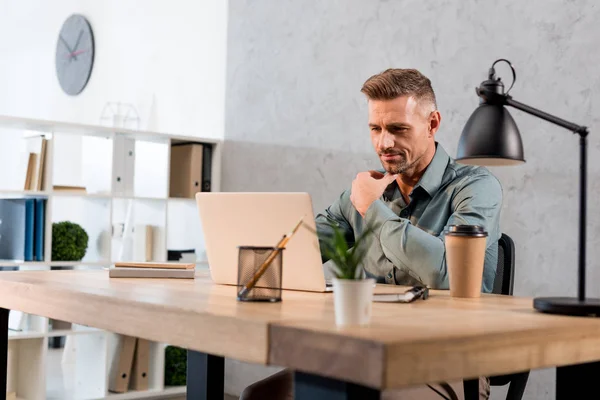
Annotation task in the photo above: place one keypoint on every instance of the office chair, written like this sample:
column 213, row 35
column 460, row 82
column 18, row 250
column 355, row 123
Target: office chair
column 503, row 284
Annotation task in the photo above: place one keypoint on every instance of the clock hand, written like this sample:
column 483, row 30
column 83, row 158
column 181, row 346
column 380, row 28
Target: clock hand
column 76, row 53
column 65, row 43
column 77, row 43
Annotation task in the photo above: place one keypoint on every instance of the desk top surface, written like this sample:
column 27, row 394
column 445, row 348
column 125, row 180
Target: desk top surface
column 438, row 339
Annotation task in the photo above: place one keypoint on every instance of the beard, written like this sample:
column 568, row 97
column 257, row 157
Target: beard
column 399, row 166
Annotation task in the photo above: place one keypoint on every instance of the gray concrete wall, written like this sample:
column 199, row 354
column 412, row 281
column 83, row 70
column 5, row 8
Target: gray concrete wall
column 295, row 119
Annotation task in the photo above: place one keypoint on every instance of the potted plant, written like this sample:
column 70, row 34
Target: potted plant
column 352, row 290
column 69, row 241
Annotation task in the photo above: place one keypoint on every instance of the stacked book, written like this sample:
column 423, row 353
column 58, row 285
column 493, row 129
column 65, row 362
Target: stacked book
column 152, row 270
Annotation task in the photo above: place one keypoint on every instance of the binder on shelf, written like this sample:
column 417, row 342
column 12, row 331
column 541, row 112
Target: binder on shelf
column 141, row 365
column 123, row 165
column 186, row 169
column 120, row 373
column 207, row 168
column 17, row 321
column 38, row 240
column 12, row 229
column 142, row 242
column 41, row 184
column 29, row 228
column 30, row 177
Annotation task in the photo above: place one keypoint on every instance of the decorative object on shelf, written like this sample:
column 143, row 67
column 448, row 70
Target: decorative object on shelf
column 352, row 290
column 69, row 241
column 491, row 137
column 74, row 54
column 120, row 115
column 175, row 366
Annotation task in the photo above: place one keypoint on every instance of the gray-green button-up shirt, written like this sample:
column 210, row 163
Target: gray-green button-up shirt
column 407, row 246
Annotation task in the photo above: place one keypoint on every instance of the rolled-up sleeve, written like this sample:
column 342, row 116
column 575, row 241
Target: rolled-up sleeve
column 477, row 201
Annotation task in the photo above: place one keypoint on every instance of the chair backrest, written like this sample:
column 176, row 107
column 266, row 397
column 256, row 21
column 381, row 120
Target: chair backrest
column 505, row 269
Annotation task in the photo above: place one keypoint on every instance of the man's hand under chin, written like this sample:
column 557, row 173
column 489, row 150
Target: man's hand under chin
column 368, row 187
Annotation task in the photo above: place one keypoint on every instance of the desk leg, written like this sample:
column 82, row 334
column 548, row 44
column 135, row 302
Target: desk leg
column 3, row 351
column 205, row 376
column 577, row 381
column 313, row 387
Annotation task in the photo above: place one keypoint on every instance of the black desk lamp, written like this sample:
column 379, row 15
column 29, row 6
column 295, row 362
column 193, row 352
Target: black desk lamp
column 491, row 137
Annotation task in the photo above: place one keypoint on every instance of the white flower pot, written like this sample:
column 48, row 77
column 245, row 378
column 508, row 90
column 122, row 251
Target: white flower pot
column 353, row 300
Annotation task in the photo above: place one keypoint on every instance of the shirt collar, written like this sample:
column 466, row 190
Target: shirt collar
column 432, row 178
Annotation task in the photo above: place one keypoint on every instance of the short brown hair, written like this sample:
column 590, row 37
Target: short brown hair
column 396, row 82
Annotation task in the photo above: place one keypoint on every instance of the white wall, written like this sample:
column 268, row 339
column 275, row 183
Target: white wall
column 170, row 53
column 166, row 58
column 296, row 120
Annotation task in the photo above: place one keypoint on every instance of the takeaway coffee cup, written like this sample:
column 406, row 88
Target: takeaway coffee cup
column 465, row 255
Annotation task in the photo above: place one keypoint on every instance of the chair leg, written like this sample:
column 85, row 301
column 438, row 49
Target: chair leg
column 471, row 389
column 517, row 386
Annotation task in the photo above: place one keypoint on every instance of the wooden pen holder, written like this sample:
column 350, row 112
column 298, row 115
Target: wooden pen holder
column 268, row 286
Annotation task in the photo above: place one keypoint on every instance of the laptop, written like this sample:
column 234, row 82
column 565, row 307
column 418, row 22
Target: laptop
column 233, row 219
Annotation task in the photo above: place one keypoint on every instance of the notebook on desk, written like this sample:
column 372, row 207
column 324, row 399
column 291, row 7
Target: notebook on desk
column 232, row 219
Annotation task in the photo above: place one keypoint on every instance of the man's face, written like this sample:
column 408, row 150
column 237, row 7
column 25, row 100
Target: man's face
column 401, row 131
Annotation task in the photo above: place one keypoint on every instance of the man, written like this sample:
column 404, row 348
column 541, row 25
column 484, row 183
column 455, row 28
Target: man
column 419, row 192
column 409, row 203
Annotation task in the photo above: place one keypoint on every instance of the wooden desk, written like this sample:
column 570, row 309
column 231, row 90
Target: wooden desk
column 439, row 339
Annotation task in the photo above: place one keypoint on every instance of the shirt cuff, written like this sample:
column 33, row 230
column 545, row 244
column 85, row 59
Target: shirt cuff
column 377, row 215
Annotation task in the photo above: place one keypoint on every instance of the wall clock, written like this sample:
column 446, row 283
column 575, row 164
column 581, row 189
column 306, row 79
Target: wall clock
column 74, row 54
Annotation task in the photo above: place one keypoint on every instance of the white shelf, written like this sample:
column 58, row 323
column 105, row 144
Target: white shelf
column 14, row 335
column 93, row 130
column 18, row 263
column 126, row 173
column 22, row 193
column 65, row 193
column 171, row 391
column 69, row 332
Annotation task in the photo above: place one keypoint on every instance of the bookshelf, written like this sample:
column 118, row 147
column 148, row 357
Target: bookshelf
column 126, row 176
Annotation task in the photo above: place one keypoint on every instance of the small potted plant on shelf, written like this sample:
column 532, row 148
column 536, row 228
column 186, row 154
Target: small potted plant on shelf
column 69, row 241
column 352, row 290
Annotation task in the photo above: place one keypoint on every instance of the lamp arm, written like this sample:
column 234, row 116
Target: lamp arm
column 581, row 130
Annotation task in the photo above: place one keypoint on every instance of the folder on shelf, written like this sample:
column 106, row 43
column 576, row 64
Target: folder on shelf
column 42, row 165
column 29, row 229
column 186, row 169
column 17, row 321
column 12, row 229
column 39, row 229
column 30, row 178
column 120, row 373
column 206, row 168
column 142, row 242
column 141, row 365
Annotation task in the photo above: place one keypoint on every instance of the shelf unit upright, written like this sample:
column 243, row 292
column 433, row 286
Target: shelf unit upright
column 125, row 172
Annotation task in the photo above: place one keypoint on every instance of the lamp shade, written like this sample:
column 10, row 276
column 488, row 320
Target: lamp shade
column 490, row 137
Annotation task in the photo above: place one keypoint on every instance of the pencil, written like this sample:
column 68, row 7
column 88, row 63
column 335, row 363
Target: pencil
column 278, row 248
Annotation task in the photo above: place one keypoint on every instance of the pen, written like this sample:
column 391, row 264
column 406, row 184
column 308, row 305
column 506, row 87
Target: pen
column 280, row 246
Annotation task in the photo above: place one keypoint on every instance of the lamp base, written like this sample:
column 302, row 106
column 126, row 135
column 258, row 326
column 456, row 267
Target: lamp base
column 568, row 306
